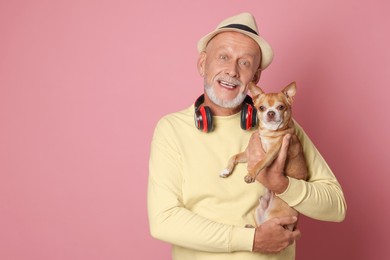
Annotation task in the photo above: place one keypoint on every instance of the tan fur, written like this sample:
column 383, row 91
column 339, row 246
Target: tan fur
column 275, row 121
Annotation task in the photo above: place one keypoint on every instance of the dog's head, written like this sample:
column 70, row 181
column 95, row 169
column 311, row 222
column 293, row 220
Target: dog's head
column 273, row 109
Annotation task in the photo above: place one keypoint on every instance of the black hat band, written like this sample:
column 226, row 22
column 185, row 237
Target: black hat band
column 241, row 27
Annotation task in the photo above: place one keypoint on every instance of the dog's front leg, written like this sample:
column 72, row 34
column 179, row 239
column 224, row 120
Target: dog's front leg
column 269, row 157
column 238, row 158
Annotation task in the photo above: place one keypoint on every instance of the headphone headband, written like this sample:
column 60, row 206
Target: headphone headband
column 204, row 118
column 248, row 100
column 199, row 101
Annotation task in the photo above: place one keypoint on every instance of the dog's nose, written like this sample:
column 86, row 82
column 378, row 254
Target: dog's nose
column 270, row 114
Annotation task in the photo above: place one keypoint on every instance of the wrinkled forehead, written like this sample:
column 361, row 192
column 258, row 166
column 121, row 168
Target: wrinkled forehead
column 236, row 42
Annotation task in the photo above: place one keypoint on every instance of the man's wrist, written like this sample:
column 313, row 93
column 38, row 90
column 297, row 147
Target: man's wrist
column 241, row 239
column 282, row 185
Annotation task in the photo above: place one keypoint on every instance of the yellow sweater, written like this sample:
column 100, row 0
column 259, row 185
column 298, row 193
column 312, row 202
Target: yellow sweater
column 202, row 215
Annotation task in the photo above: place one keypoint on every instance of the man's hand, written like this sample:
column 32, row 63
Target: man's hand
column 272, row 177
column 271, row 236
column 254, row 151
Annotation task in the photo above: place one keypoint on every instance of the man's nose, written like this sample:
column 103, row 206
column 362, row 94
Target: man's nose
column 232, row 70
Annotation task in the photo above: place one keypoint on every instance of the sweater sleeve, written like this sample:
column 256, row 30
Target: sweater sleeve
column 321, row 196
column 169, row 220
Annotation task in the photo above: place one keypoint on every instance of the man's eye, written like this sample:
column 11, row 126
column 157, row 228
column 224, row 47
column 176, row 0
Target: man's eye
column 244, row 63
column 223, row 57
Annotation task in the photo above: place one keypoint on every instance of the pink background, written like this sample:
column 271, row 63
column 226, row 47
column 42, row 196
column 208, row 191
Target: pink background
column 83, row 83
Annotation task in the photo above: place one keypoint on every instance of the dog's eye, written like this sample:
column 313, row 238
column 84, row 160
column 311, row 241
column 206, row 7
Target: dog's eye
column 281, row 107
column 262, row 108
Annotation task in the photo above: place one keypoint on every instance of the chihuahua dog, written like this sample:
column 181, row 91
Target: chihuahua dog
column 275, row 121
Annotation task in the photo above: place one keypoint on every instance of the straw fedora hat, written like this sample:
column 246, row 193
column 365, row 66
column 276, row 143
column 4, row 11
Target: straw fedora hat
column 244, row 23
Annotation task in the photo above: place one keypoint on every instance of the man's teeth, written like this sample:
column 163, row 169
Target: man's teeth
column 227, row 84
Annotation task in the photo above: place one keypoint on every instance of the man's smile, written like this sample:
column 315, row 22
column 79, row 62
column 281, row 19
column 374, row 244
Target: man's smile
column 227, row 84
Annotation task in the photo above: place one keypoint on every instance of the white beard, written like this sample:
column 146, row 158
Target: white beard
column 222, row 103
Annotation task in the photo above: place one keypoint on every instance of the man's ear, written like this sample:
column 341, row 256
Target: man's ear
column 256, row 77
column 201, row 63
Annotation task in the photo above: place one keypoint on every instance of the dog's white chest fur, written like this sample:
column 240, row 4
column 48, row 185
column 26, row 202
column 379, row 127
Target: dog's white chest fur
column 266, row 143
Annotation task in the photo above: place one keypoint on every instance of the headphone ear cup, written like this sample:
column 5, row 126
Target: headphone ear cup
column 248, row 116
column 204, row 119
column 208, row 127
column 244, row 113
column 254, row 117
column 198, row 119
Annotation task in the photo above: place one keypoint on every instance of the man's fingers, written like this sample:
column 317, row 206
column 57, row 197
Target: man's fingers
column 284, row 149
column 254, row 151
column 297, row 234
column 286, row 220
column 254, row 136
column 255, row 139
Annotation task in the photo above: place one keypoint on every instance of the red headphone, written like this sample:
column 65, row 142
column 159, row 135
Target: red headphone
column 204, row 118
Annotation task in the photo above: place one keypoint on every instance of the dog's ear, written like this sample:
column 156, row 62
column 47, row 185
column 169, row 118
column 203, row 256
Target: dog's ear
column 290, row 91
column 255, row 90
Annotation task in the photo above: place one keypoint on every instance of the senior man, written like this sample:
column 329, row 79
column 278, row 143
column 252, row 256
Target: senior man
column 190, row 206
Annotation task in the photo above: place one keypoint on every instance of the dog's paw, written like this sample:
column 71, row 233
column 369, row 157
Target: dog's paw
column 225, row 173
column 249, row 179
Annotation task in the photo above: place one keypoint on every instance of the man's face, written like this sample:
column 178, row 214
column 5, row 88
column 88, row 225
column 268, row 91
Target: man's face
column 231, row 60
